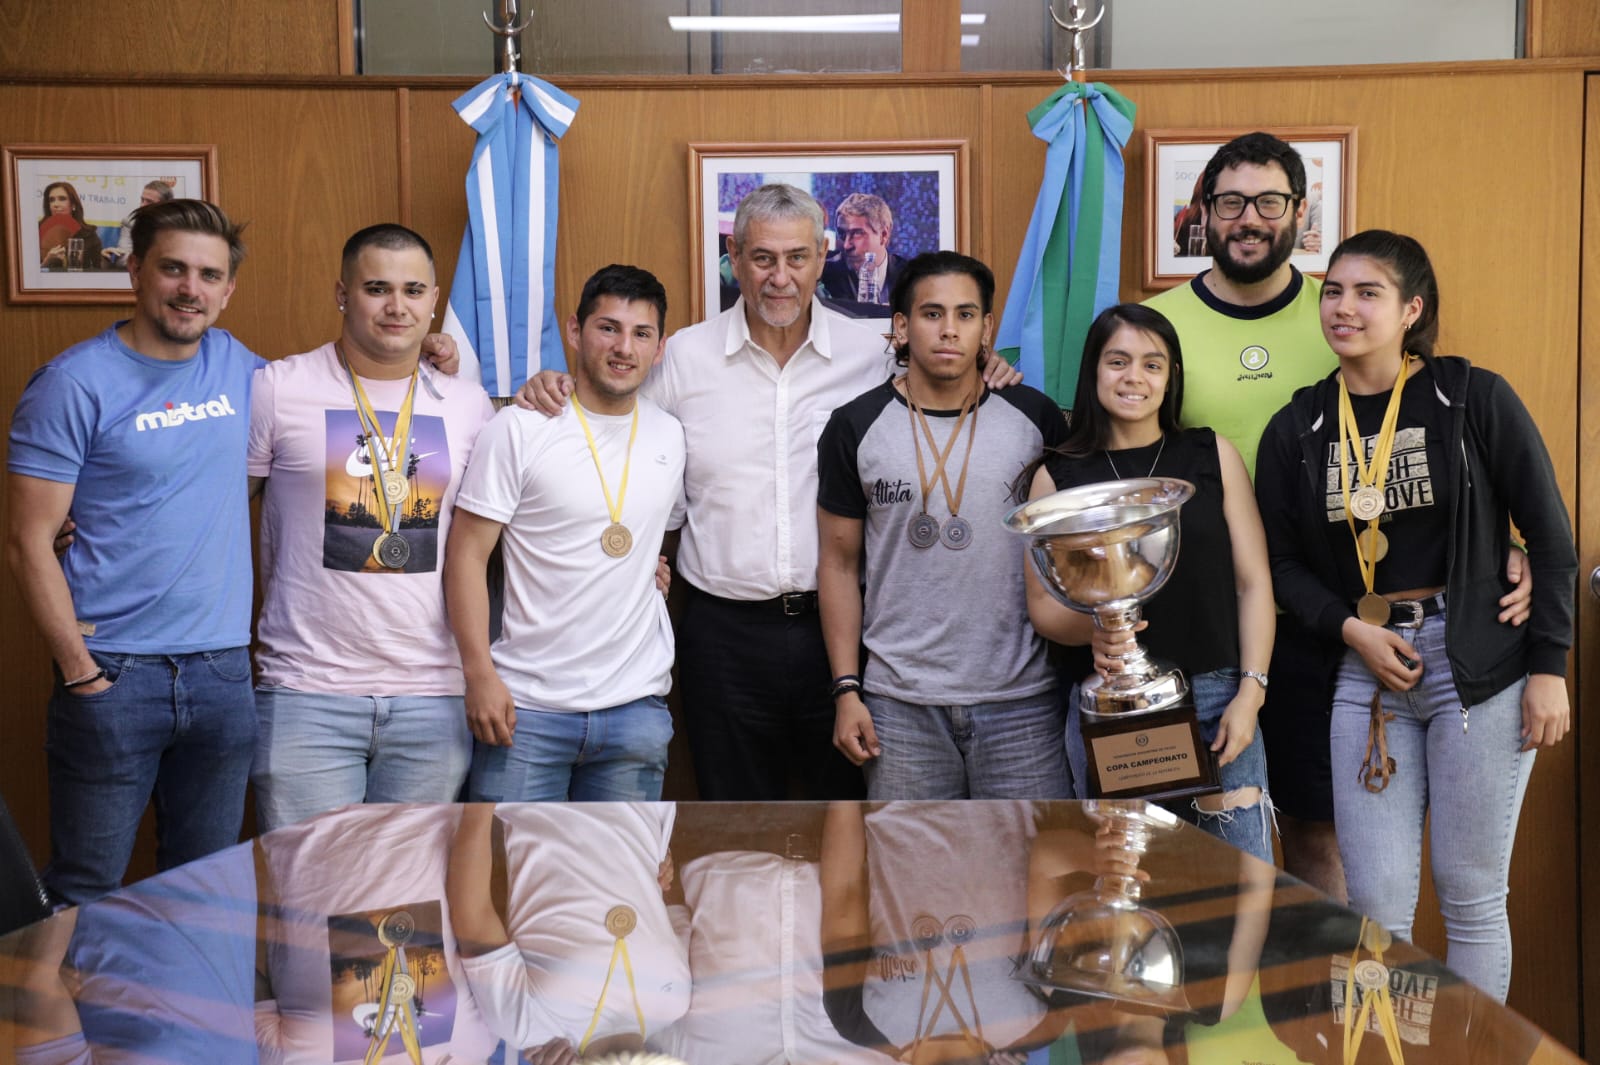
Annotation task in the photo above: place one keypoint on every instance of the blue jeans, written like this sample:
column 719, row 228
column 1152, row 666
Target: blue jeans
column 318, row 752
column 614, row 755
column 1246, row 827
column 1470, row 781
column 1004, row 750
column 180, row 728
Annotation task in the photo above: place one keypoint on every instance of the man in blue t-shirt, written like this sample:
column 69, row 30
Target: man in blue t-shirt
column 140, row 433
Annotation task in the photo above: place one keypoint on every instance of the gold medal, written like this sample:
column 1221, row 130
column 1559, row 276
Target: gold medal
column 1366, row 503
column 1376, row 938
column 395, row 487
column 616, row 540
column 1374, row 544
column 396, row 929
column 401, row 987
column 1371, row 975
column 620, row 920
column 1373, row 609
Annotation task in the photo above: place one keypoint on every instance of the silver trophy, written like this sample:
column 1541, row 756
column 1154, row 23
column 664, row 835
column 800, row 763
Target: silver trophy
column 1104, row 942
column 1103, row 550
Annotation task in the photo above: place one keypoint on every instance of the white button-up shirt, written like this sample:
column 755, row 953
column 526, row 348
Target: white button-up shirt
column 751, row 429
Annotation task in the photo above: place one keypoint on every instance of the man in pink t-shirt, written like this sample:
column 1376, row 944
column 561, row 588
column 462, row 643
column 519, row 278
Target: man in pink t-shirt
column 361, row 447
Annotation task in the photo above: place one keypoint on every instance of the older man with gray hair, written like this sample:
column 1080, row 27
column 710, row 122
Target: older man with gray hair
column 754, row 387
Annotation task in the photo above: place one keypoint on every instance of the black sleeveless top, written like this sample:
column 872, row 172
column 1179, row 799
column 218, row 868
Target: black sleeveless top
column 1194, row 618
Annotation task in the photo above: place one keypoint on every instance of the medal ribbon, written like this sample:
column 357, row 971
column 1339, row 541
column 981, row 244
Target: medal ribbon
column 1372, row 476
column 1385, row 1010
column 393, row 1015
column 594, row 452
column 385, row 448
column 619, row 947
column 958, row 962
column 914, row 412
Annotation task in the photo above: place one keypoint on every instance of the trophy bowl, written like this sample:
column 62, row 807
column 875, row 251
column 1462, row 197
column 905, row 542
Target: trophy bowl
column 1106, row 545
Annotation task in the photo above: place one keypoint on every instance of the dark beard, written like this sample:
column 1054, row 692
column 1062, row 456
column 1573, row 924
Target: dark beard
column 1250, row 273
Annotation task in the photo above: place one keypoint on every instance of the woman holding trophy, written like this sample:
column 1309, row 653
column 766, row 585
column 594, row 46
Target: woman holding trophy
column 1388, row 491
column 1214, row 617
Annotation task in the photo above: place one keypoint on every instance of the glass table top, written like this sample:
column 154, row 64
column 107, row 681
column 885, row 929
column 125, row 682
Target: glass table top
column 706, row 933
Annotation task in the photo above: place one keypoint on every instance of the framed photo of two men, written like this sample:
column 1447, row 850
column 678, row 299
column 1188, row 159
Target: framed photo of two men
column 883, row 202
column 66, row 211
column 1175, row 217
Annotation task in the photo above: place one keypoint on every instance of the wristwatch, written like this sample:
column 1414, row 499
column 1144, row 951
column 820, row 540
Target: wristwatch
column 1259, row 678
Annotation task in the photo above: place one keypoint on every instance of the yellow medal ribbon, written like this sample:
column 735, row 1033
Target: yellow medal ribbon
column 383, row 454
column 393, row 1015
column 617, row 948
column 1387, row 1024
column 1368, row 476
column 613, row 509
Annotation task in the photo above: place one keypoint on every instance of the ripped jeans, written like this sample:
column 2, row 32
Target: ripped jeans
column 1248, row 827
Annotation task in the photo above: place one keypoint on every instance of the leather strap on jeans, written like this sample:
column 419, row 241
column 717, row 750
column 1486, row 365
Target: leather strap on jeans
column 1381, row 767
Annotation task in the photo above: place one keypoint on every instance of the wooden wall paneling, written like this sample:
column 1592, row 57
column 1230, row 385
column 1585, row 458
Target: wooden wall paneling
column 930, row 36
column 1586, row 519
column 1562, row 28
column 163, row 38
column 345, row 39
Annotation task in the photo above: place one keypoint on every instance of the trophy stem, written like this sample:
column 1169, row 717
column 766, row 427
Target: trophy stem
column 1135, row 667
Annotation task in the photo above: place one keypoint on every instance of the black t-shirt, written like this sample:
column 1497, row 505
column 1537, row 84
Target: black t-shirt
column 1194, row 618
column 1416, row 516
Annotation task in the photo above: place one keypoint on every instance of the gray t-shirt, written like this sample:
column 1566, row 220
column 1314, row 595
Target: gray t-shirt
column 941, row 627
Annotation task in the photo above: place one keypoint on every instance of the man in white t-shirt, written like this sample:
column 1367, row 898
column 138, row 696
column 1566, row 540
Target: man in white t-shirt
column 362, row 447
column 570, row 701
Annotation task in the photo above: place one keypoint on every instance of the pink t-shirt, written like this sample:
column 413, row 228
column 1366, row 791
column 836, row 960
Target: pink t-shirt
column 333, row 620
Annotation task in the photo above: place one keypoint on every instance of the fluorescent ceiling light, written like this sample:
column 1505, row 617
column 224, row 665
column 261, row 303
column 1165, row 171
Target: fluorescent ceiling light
column 885, row 23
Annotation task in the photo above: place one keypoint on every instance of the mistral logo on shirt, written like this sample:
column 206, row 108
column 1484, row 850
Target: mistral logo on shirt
column 176, row 414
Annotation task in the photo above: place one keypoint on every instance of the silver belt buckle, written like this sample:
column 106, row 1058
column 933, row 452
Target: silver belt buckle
column 1415, row 621
column 794, row 604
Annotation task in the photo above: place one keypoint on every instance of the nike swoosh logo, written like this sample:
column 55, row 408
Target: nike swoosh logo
column 359, row 464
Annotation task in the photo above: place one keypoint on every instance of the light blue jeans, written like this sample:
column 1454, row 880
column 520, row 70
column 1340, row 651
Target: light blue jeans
column 175, row 728
column 1470, row 780
column 618, row 754
column 1004, row 750
column 318, row 752
column 1248, row 828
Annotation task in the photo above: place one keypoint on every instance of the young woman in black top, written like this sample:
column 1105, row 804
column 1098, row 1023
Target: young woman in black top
column 1214, row 618
column 1388, row 491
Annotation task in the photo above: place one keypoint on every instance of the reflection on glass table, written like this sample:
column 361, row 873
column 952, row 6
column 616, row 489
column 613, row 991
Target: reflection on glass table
column 733, row 934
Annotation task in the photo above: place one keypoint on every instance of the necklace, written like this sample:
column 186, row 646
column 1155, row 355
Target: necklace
column 1159, row 450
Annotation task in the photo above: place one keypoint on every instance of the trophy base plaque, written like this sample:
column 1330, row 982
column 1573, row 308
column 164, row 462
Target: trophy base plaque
column 1147, row 754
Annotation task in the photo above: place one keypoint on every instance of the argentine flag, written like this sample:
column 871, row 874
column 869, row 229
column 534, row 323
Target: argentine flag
column 1072, row 255
column 502, row 309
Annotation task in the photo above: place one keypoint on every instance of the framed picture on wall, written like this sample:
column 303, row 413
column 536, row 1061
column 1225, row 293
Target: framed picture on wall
column 887, row 199
column 1175, row 219
column 67, row 207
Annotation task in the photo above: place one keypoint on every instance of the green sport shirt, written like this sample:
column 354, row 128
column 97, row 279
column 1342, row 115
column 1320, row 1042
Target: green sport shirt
column 1241, row 364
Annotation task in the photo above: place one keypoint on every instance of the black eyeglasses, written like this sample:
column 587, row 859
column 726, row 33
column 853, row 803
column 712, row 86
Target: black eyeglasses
column 1230, row 205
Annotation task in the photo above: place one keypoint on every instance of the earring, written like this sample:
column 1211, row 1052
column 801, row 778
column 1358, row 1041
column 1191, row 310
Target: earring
column 341, row 308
